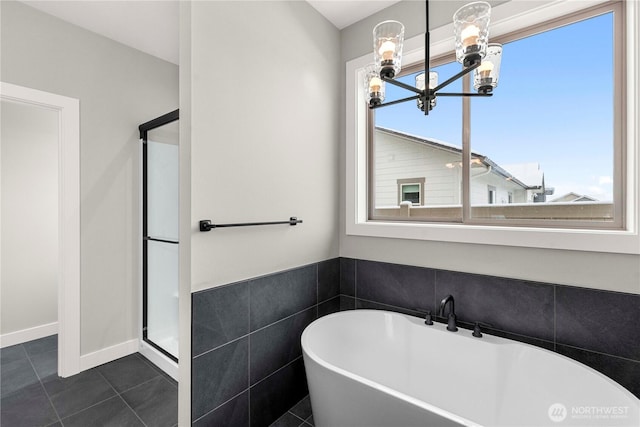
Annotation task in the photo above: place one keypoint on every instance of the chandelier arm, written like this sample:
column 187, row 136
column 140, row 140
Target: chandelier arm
column 463, row 94
column 398, row 101
column 465, row 71
column 402, row 85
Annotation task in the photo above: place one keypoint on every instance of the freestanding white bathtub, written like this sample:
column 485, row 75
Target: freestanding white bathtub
column 372, row 368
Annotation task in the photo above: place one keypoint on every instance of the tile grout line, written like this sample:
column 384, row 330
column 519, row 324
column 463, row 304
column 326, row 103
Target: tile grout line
column 257, row 330
column 155, row 368
column 555, row 319
column 297, row 416
column 248, row 390
column 132, row 410
column 141, row 384
column 220, row 346
column 191, row 345
column 600, row 353
column 283, row 319
column 121, row 398
column 42, row 384
column 355, row 283
column 275, row 372
column 51, row 403
column 88, row 407
column 218, row 407
column 435, row 292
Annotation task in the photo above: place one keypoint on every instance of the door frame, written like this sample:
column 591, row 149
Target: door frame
column 144, row 129
column 68, row 217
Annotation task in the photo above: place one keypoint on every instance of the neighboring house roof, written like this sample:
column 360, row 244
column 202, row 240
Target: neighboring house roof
column 528, row 173
column 574, row 197
column 532, row 184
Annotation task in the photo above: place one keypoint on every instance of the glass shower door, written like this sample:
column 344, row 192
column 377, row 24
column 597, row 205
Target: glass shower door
column 160, row 235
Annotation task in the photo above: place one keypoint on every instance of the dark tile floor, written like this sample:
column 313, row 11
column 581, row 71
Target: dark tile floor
column 130, row 391
column 298, row 416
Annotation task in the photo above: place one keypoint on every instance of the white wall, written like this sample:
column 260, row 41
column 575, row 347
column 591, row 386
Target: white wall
column 264, row 137
column 29, row 279
column 618, row 272
column 118, row 88
column 259, row 134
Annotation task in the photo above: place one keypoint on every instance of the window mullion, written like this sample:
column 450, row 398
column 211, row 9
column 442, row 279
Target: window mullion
column 466, row 151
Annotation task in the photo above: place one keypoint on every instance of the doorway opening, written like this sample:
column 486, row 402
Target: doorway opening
column 66, row 140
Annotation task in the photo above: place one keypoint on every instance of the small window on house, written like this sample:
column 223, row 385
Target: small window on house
column 538, row 138
column 492, row 195
column 411, row 193
column 411, row 190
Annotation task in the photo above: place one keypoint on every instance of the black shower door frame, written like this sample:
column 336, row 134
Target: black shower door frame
column 144, row 129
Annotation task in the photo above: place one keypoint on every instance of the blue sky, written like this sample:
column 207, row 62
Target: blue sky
column 553, row 105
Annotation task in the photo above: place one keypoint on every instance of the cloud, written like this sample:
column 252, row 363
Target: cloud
column 605, row 180
column 596, row 191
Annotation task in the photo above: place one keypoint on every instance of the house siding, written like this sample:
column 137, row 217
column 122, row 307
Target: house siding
column 396, row 158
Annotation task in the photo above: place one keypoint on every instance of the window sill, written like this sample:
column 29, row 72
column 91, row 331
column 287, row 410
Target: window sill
column 624, row 242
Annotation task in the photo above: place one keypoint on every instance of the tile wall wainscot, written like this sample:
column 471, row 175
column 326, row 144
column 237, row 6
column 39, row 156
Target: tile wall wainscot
column 597, row 328
column 247, row 367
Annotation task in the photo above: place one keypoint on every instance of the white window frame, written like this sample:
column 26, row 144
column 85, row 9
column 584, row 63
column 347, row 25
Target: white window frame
column 506, row 18
column 412, row 181
column 492, row 195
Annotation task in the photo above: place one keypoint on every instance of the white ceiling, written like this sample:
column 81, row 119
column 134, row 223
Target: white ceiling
column 149, row 26
column 152, row 26
column 343, row 13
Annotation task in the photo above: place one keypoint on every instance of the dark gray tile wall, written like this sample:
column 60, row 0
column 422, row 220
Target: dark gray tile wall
column 597, row 328
column 247, row 367
column 516, row 306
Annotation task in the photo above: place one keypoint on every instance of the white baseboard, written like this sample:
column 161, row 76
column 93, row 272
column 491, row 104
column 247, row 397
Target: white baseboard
column 160, row 360
column 97, row 358
column 29, row 334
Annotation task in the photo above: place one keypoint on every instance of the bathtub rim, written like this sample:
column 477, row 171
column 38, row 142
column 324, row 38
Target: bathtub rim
column 387, row 390
column 427, row 406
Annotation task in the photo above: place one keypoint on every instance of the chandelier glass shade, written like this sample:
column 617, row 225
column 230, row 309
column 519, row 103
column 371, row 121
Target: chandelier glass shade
column 485, row 77
column 473, row 51
column 388, row 37
column 471, row 28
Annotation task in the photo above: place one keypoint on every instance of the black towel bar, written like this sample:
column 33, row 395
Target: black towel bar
column 205, row 224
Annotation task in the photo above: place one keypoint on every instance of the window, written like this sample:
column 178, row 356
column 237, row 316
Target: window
column 411, row 193
column 492, row 195
column 451, row 219
column 411, row 190
column 551, row 129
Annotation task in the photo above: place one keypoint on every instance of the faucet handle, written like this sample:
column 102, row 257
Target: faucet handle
column 477, row 330
column 428, row 320
column 428, row 317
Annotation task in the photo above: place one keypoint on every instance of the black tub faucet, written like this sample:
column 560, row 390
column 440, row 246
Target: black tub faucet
column 451, row 319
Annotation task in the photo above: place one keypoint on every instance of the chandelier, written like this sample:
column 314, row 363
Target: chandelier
column 473, row 51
